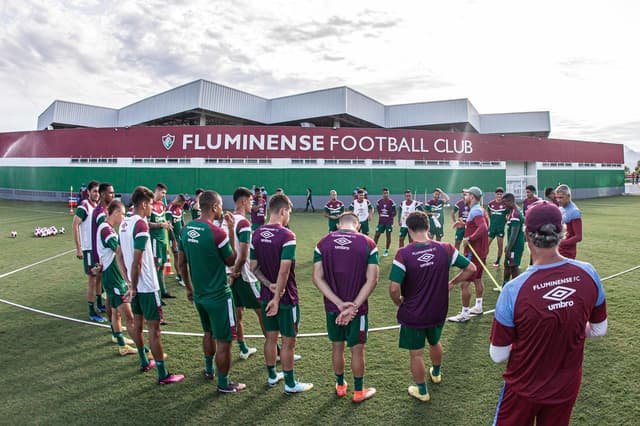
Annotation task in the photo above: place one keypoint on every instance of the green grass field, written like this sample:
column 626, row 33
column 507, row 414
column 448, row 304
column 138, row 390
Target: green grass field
column 55, row 371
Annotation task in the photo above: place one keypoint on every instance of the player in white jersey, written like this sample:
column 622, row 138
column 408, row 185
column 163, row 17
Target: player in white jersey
column 81, row 228
column 140, row 265
column 363, row 209
column 408, row 206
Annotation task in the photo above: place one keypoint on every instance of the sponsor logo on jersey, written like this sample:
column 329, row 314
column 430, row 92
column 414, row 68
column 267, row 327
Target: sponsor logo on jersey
column 168, row 140
column 559, row 294
column 426, row 259
column 343, row 243
column 193, row 236
column 266, row 236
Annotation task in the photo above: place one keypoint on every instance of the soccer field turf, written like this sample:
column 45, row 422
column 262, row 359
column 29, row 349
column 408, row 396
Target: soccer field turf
column 56, row 371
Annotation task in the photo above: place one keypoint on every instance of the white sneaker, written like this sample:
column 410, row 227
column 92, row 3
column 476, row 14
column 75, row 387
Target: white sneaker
column 296, row 357
column 385, row 253
column 272, row 382
column 459, row 318
column 127, row 341
column 248, row 353
column 299, row 387
column 476, row 310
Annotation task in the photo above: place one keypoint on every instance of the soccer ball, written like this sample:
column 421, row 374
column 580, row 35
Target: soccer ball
column 14, row 234
column 61, row 230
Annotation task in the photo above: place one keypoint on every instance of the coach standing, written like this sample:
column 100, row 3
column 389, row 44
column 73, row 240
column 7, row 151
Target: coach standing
column 541, row 320
column 572, row 219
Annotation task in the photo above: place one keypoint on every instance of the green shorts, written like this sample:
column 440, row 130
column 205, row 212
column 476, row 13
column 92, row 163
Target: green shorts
column 255, row 226
column 515, row 257
column 159, row 251
column 115, row 300
column 434, row 230
column 496, row 232
column 364, row 227
column 218, row 317
column 354, row 333
column 403, row 231
column 87, row 264
column 381, row 228
column 413, row 338
column 245, row 295
column 286, row 321
column 333, row 225
column 147, row 305
column 459, row 234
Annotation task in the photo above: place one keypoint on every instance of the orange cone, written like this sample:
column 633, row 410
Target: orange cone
column 168, row 270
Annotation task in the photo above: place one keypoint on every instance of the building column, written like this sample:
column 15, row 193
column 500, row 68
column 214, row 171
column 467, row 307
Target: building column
column 203, row 119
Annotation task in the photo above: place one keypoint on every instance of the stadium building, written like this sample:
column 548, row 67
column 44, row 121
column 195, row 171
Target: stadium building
column 203, row 134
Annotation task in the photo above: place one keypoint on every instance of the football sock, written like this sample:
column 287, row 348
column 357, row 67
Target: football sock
column 243, row 346
column 223, row 381
column 358, row 383
column 160, row 275
column 479, row 302
column 498, row 260
column 289, row 378
column 272, row 371
column 162, row 370
column 436, row 370
column 422, row 387
column 340, row 379
column 120, row 338
column 465, row 311
column 144, row 361
column 99, row 303
column 113, row 333
column 208, row 364
column 92, row 309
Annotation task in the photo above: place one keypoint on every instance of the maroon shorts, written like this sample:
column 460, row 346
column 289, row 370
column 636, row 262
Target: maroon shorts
column 513, row 409
column 479, row 270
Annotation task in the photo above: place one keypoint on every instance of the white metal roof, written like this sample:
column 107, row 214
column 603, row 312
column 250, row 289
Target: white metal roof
column 207, row 96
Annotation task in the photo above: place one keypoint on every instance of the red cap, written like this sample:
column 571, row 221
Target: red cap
column 542, row 213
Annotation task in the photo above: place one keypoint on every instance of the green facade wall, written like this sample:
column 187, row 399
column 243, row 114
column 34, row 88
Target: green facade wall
column 579, row 179
column 225, row 180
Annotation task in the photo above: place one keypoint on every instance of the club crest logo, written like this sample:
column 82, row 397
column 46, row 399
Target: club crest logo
column 559, row 294
column 342, row 241
column 266, row 234
column 426, row 257
column 193, row 234
column 168, row 140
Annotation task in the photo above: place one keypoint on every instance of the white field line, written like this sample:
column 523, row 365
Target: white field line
column 186, row 333
column 6, row 274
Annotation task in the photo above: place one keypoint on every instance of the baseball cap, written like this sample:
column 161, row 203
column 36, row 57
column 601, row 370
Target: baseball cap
column 474, row 190
column 542, row 213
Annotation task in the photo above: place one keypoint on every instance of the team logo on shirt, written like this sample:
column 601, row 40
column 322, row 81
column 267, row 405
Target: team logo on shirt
column 168, row 140
column 558, row 295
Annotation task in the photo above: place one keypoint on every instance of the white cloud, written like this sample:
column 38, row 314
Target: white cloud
column 575, row 59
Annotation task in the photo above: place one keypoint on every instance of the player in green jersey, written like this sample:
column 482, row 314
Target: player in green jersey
column 515, row 238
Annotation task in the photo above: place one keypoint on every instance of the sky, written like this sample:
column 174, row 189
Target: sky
column 579, row 60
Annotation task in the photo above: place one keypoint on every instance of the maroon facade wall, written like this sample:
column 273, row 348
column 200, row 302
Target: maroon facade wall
column 296, row 142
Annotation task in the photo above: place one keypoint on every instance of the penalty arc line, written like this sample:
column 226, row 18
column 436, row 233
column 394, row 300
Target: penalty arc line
column 191, row 334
